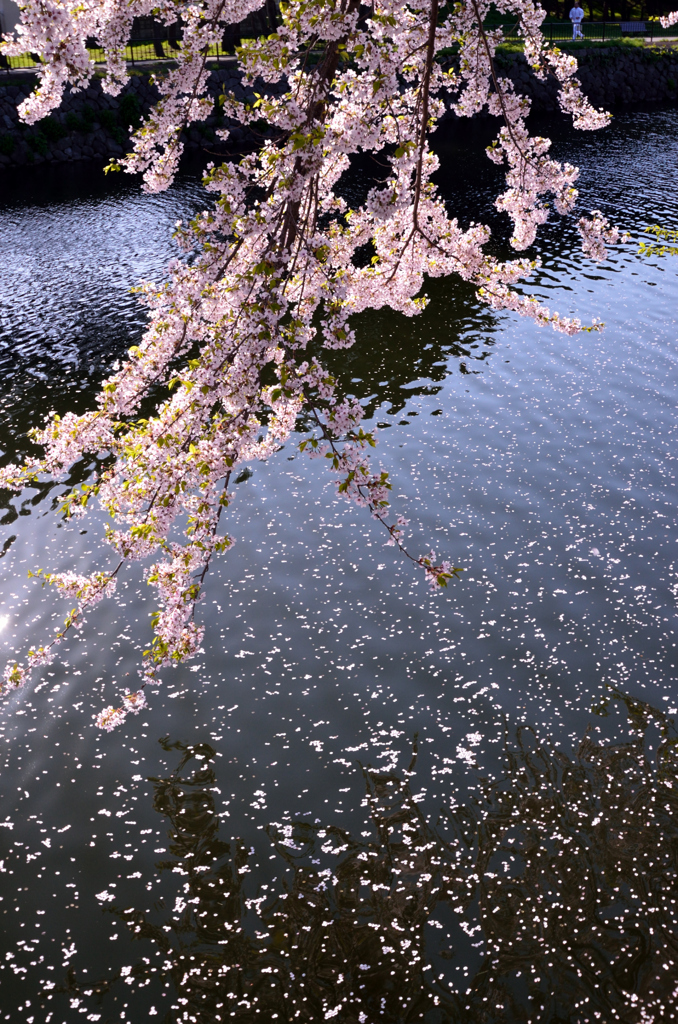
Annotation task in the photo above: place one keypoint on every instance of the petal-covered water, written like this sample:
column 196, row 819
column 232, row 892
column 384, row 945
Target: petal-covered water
column 281, row 851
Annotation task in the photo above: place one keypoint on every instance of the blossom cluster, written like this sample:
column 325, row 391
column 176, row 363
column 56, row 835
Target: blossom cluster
column 273, row 267
column 597, row 233
column 111, row 717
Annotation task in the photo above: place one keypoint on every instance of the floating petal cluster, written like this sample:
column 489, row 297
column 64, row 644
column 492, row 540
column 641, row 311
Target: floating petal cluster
column 525, row 901
column 275, row 270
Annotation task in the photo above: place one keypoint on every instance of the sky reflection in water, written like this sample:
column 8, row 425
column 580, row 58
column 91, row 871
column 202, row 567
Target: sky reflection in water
column 546, row 467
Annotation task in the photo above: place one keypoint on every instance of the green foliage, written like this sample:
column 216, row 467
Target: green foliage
column 619, row 43
column 108, row 120
column 513, row 46
column 663, row 235
column 52, row 129
column 7, row 144
column 73, row 122
column 88, row 117
column 38, row 143
column 84, row 123
column 129, row 111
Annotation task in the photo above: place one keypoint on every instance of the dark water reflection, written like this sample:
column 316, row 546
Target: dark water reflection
column 550, row 895
column 546, row 467
column 71, row 249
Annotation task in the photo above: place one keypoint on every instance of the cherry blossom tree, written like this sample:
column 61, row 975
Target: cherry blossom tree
column 274, row 269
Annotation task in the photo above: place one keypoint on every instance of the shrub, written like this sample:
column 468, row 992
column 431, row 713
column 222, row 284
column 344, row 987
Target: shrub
column 108, row 120
column 52, row 129
column 37, row 141
column 110, row 123
column 129, row 111
column 73, row 122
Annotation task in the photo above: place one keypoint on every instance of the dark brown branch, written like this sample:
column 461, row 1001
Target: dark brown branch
column 424, row 96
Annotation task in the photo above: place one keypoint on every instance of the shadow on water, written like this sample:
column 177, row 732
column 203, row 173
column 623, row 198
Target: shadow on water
column 549, row 896
column 390, row 365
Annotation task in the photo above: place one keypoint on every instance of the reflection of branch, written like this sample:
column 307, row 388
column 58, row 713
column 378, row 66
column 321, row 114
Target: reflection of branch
column 548, row 883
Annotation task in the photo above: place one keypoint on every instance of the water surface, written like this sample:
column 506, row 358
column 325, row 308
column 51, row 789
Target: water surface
column 545, row 467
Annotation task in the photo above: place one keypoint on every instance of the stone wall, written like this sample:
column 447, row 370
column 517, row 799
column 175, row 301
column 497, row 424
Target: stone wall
column 610, row 77
column 92, row 126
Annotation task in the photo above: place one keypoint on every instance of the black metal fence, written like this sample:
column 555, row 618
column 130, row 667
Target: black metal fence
column 136, row 52
column 600, row 31
column 151, row 42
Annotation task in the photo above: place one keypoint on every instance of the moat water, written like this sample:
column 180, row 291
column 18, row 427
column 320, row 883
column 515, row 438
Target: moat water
column 364, row 802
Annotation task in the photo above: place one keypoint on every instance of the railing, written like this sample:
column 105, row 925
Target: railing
column 142, row 52
column 597, row 31
column 145, row 51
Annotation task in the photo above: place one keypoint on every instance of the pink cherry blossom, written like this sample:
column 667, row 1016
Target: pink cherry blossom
column 597, row 233
column 110, row 718
column 273, row 268
column 14, row 676
column 134, row 702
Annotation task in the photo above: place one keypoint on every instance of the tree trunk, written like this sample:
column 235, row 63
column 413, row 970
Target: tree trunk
column 157, row 40
column 272, row 15
column 231, row 38
column 173, row 35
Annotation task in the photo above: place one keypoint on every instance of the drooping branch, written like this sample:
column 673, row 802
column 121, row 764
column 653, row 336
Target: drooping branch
column 275, row 267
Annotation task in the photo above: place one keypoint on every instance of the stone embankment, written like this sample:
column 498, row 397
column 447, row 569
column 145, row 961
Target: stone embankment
column 90, row 125
column 610, row 76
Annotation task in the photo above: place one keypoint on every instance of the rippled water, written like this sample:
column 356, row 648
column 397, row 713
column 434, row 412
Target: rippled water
column 522, row 868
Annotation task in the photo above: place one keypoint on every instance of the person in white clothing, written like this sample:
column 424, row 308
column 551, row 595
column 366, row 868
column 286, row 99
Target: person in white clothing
column 576, row 17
